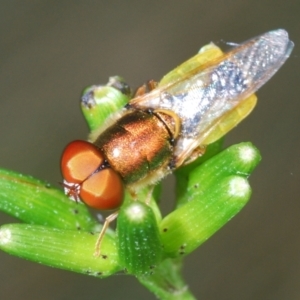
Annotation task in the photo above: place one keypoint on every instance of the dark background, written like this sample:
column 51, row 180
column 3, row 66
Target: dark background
column 51, row 50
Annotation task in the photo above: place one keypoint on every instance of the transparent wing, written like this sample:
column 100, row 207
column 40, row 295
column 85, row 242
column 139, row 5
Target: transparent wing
column 211, row 92
column 194, row 65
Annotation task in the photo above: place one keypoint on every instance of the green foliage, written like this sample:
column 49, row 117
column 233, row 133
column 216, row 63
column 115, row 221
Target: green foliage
column 138, row 236
column 62, row 234
column 65, row 249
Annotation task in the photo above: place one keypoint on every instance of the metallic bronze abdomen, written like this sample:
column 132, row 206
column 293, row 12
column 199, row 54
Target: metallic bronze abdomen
column 136, row 145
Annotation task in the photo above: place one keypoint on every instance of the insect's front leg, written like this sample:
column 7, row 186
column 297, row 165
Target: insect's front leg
column 108, row 220
column 145, row 88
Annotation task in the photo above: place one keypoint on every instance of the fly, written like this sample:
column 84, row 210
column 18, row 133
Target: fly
column 169, row 126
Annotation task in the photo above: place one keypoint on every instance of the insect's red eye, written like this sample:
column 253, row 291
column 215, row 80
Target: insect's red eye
column 103, row 190
column 79, row 160
column 81, row 166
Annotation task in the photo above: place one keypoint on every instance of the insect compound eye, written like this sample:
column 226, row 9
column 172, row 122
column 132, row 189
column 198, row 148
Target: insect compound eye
column 79, row 160
column 86, row 176
column 103, row 190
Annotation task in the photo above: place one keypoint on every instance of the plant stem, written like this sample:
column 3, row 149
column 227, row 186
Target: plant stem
column 167, row 283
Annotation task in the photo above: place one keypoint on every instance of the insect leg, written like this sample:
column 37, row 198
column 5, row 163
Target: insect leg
column 145, row 88
column 108, row 220
column 149, row 194
column 199, row 151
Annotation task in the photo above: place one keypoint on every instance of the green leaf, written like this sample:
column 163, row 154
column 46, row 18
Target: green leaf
column 182, row 174
column 216, row 191
column 36, row 202
column 186, row 228
column 65, row 249
column 139, row 242
column 240, row 159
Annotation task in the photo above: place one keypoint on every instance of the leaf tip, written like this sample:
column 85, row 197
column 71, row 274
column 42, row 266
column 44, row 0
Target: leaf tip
column 248, row 153
column 136, row 212
column 239, row 187
column 5, row 236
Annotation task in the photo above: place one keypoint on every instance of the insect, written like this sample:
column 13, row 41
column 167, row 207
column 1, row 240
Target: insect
column 169, row 126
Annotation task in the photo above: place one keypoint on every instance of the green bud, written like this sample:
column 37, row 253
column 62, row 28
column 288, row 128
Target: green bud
column 150, row 193
column 65, row 249
column 239, row 159
column 139, row 244
column 100, row 102
column 36, row 202
column 193, row 223
column 214, row 192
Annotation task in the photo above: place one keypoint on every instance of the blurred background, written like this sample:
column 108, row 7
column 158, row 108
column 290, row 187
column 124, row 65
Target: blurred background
column 51, row 50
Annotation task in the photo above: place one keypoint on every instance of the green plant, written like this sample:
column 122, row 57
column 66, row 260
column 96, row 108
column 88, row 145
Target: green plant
column 61, row 233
